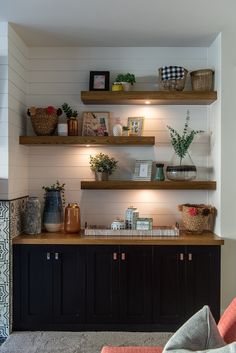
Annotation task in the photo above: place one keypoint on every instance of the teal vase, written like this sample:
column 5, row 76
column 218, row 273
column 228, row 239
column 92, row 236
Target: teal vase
column 53, row 211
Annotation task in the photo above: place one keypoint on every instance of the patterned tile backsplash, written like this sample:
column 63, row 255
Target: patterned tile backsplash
column 11, row 215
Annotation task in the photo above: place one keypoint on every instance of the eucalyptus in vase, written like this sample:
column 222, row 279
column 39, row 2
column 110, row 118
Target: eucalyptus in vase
column 182, row 166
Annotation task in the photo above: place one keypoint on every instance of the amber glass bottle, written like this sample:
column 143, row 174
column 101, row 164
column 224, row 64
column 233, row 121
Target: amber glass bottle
column 72, row 127
column 72, row 218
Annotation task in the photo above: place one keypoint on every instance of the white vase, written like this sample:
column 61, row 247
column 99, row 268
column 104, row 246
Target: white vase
column 117, row 130
column 126, row 86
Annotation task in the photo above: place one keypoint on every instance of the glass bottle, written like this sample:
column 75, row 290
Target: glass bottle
column 72, row 218
column 160, row 176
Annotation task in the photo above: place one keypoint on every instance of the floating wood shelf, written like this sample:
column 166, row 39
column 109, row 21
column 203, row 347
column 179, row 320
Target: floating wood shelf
column 148, row 185
column 149, row 97
column 88, row 140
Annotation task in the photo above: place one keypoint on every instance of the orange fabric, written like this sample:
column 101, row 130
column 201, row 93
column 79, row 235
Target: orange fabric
column 132, row 349
column 227, row 323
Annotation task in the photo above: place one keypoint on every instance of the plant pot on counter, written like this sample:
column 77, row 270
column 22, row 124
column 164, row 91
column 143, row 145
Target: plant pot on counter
column 101, row 176
column 53, row 211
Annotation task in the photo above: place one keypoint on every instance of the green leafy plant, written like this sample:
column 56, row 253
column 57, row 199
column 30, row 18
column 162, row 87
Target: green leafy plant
column 70, row 114
column 125, row 128
column 126, row 78
column 182, row 142
column 103, row 163
column 56, row 187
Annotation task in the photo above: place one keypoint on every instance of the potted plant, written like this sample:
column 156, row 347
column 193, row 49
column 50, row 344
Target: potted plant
column 72, row 122
column 127, row 80
column 53, row 207
column 102, row 165
column 125, row 130
column 182, row 167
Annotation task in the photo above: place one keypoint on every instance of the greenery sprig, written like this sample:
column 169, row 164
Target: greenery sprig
column 56, row 187
column 70, row 114
column 182, row 143
column 126, row 78
column 103, row 163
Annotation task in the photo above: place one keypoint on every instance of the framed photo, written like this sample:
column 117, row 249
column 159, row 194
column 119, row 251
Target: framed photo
column 99, row 80
column 143, row 170
column 95, row 124
column 135, row 125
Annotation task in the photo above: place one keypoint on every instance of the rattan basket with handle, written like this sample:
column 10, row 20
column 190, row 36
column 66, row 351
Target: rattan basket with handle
column 44, row 120
column 197, row 217
column 202, row 80
column 172, row 84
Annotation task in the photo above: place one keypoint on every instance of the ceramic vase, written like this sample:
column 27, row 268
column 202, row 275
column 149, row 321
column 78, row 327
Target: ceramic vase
column 101, row 176
column 53, row 211
column 32, row 216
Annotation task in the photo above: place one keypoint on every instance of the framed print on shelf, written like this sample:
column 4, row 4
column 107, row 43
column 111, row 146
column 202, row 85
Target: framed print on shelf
column 135, row 125
column 95, row 124
column 99, row 80
column 143, row 170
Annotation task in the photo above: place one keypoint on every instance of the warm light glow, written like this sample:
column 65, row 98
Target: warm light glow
column 87, row 145
column 147, row 102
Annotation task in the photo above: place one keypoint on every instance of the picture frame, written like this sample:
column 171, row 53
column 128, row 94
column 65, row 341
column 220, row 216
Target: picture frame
column 96, row 124
column 99, row 80
column 143, row 170
column 135, row 125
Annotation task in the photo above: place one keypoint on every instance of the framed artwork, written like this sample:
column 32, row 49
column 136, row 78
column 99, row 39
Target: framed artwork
column 99, row 81
column 135, row 125
column 143, row 170
column 95, row 124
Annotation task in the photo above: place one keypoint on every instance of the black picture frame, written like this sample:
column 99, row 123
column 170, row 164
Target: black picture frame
column 99, row 81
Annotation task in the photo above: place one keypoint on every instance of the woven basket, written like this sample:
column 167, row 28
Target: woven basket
column 202, row 80
column 172, row 85
column 44, row 124
column 197, row 223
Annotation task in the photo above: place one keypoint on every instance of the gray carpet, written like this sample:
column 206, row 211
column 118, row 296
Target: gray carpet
column 78, row 342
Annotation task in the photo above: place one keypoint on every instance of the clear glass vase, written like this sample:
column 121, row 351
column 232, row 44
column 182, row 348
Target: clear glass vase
column 181, row 169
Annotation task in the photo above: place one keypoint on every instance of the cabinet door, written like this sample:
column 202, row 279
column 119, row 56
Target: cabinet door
column 36, row 285
column 135, row 284
column 102, row 284
column 203, row 279
column 69, row 284
column 169, row 285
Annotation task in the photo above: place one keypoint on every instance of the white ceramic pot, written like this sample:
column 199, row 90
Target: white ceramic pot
column 126, row 86
column 62, row 129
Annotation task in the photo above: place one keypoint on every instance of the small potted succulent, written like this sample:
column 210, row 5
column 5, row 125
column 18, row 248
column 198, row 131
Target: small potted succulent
column 182, row 166
column 102, row 165
column 72, row 122
column 127, row 80
column 125, row 130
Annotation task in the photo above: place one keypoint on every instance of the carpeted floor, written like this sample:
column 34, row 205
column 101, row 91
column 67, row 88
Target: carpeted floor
column 78, row 342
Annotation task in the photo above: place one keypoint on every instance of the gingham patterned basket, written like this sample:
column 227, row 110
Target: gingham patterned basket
column 172, row 84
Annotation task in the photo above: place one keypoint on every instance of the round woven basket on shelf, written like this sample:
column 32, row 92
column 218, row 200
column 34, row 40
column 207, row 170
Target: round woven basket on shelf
column 196, row 217
column 202, row 80
column 43, row 123
column 172, row 84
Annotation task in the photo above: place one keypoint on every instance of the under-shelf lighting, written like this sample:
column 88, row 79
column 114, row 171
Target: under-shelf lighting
column 87, row 145
column 147, row 102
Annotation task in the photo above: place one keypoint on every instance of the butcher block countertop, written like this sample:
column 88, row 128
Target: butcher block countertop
column 205, row 238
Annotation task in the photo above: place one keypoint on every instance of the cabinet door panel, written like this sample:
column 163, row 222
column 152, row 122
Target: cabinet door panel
column 69, row 284
column 168, row 284
column 102, row 284
column 135, row 284
column 37, row 281
column 203, row 279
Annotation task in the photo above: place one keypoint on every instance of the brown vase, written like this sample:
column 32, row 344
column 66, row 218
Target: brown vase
column 72, row 127
column 72, row 218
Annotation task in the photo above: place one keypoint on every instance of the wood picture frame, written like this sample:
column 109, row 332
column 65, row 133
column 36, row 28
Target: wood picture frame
column 135, row 125
column 99, row 81
column 96, row 124
column 143, row 170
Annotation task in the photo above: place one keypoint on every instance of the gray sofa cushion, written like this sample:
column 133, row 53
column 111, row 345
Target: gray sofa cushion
column 199, row 333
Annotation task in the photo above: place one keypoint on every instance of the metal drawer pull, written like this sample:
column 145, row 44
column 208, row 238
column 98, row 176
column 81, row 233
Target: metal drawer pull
column 123, row 256
column 181, row 257
column 48, row 256
column 56, row 256
column 190, row 257
column 114, row 256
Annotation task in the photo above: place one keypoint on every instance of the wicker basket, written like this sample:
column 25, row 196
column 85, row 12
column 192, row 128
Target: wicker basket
column 202, row 80
column 197, row 218
column 43, row 123
column 172, row 85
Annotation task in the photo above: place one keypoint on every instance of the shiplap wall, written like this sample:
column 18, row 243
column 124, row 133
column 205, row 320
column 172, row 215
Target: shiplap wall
column 3, row 110
column 57, row 75
column 17, row 90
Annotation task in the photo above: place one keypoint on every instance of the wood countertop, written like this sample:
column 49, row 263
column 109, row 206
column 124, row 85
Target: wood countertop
column 205, row 238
